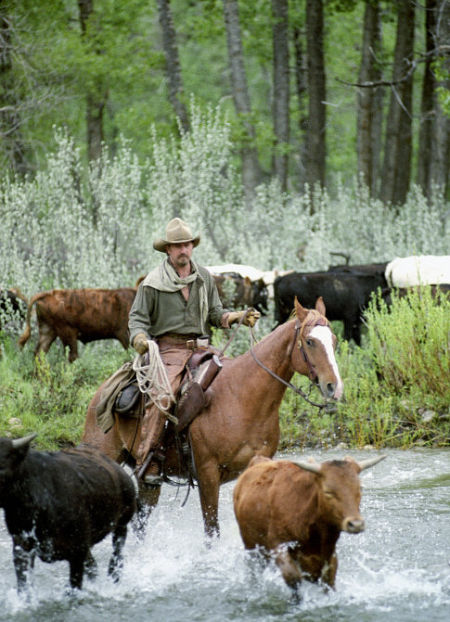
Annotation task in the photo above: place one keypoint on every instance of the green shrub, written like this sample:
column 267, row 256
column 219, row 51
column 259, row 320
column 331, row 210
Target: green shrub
column 50, row 396
column 396, row 388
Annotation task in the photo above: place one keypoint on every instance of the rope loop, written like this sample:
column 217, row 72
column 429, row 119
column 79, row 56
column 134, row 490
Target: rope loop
column 153, row 381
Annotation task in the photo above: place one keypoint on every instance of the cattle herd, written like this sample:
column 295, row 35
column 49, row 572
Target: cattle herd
column 91, row 314
column 58, row 505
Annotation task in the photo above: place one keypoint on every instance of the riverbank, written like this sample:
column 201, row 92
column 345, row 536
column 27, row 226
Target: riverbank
column 397, row 392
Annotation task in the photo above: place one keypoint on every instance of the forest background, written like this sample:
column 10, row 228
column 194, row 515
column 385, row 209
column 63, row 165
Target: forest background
column 282, row 131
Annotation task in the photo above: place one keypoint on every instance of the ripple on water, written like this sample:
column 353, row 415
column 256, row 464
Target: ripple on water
column 396, row 570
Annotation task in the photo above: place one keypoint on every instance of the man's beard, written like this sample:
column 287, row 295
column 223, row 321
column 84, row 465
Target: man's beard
column 182, row 261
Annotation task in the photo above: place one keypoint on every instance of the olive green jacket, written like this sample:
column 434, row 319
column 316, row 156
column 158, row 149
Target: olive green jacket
column 155, row 312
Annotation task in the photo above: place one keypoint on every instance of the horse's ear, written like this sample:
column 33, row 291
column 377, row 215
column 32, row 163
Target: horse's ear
column 320, row 306
column 300, row 311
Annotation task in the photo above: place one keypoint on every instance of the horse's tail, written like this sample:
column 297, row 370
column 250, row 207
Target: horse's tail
column 27, row 332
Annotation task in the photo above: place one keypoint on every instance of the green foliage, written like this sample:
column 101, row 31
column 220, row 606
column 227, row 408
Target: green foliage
column 392, row 398
column 423, row 322
column 71, row 226
column 48, row 395
column 120, row 60
column 396, row 386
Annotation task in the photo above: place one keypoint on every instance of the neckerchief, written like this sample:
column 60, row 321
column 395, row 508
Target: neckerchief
column 165, row 278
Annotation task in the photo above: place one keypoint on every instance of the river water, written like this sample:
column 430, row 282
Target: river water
column 398, row 569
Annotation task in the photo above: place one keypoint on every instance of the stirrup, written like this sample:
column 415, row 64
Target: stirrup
column 153, row 481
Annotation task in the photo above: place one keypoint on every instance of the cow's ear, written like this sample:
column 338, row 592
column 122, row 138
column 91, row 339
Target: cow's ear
column 320, row 306
column 300, row 311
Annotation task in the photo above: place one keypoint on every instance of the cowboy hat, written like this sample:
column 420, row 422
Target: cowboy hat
column 177, row 231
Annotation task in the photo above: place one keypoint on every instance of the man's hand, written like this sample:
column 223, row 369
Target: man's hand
column 140, row 343
column 250, row 319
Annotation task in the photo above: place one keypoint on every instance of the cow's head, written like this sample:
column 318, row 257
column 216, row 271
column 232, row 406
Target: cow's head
column 340, row 490
column 12, row 453
column 260, row 296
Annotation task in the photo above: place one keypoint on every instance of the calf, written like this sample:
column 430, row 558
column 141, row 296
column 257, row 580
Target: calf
column 57, row 505
column 345, row 295
column 84, row 314
column 237, row 292
column 296, row 512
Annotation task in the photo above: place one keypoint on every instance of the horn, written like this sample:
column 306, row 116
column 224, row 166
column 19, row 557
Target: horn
column 25, row 440
column 309, row 466
column 365, row 464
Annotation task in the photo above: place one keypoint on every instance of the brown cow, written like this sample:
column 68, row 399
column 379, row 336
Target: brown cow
column 84, row 314
column 234, row 290
column 296, row 511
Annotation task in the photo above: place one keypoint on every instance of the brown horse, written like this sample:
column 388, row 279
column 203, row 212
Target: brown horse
column 241, row 419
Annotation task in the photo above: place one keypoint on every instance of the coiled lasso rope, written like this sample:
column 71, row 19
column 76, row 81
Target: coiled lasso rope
column 153, row 381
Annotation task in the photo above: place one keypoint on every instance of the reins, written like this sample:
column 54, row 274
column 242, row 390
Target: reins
column 277, row 377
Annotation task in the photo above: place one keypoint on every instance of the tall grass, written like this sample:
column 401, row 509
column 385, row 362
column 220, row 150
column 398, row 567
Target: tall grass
column 75, row 227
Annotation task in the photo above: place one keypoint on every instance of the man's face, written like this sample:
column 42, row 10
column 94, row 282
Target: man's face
column 180, row 254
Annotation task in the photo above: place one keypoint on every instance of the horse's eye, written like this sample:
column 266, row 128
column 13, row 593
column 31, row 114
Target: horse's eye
column 309, row 342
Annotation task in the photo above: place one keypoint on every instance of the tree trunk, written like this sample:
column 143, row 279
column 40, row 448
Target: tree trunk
column 172, row 63
column 370, row 98
column 95, row 100
column 398, row 142
column 281, row 89
column 251, row 172
column 427, row 107
column 440, row 154
column 300, row 71
column 13, row 149
column 315, row 139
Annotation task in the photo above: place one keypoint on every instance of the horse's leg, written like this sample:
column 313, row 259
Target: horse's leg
column 208, row 483
column 148, row 499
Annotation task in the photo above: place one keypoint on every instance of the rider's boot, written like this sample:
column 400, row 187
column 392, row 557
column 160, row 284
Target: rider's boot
column 153, row 475
column 148, row 467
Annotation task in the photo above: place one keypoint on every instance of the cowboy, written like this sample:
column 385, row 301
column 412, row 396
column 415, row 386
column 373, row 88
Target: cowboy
column 175, row 305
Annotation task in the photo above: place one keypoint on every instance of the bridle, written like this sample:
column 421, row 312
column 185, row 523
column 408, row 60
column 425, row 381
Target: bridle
column 312, row 373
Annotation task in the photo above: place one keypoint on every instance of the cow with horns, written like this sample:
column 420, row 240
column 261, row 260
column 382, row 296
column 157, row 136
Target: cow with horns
column 296, row 511
column 57, row 505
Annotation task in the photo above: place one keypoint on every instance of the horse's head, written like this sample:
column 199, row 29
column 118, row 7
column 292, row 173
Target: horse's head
column 315, row 351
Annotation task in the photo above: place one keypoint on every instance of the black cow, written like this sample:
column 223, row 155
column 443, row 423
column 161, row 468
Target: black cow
column 345, row 295
column 13, row 304
column 59, row 504
column 364, row 268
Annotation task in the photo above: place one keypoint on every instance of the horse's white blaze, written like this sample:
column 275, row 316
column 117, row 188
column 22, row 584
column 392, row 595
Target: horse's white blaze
column 324, row 335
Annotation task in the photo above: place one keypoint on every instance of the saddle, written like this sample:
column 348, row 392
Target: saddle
column 201, row 369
